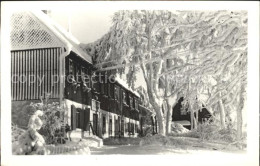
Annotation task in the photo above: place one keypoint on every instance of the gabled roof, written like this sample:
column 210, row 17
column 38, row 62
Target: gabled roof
column 34, row 29
column 65, row 36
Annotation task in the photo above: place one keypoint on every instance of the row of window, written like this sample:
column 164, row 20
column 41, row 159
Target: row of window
column 100, row 84
column 133, row 102
column 78, row 73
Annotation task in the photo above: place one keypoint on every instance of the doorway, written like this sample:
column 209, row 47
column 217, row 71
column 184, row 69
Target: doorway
column 95, row 124
column 104, row 124
column 110, row 127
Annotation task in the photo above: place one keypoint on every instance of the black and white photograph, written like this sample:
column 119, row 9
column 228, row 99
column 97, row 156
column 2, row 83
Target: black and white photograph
column 114, row 79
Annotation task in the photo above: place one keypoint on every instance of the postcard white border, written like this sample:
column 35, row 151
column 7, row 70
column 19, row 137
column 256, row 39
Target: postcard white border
column 250, row 158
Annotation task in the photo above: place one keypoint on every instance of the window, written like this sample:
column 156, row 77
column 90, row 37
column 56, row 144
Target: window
column 124, row 97
column 129, row 127
column 98, row 105
column 126, row 127
column 83, row 73
column 72, row 71
column 78, row 72
column 78, row 118
column 136, row 128
column 71, row 67
column 102, row 87
column 94, row 107
column 104, row 124
column 136, row 104
column 116, row 92
column 132, row 127
column 84, row 77
column 106, row 89
column 131, row 102
column 105, row 84
column 111, row 90
column 110, row 126
column 122, row 127
column 95, row 83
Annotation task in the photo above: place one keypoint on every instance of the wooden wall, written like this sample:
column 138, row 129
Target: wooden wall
column 110, row 104
column 73, row 66
column 34, row 73
column 177, row 116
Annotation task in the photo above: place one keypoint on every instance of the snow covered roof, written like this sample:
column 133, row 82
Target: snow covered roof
column 34, row 29
column 67, row 37
column 124, row 84
column 183, row 122
column 145, row 108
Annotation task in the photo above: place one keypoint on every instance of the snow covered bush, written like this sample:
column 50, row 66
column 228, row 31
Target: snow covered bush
column 16, row 132
column 178, row 128
column 147, row 131
column 52, row 118
column 192, row 134
column 213, row 132
column 31, row 142
column 168, row 141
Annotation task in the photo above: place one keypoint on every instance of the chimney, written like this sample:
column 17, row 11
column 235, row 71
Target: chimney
column 47, row 12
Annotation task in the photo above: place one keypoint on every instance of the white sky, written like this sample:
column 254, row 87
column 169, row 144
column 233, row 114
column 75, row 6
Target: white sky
column 86, row 25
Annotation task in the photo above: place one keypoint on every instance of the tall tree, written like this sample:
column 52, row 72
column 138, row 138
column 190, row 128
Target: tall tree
column 168, row 48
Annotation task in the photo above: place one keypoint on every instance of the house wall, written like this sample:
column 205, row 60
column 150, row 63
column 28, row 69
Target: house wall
column 177, row 116
column 45, row 63
column 176, row 113
column 110, row 95
column 68, row 104
column 74, row 66
column 36, row 57
column 35, row 72
column 109, row 116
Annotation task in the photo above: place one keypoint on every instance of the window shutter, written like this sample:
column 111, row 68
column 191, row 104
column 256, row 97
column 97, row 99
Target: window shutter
column 81, row 118
column 86, row 119
column 73, row 117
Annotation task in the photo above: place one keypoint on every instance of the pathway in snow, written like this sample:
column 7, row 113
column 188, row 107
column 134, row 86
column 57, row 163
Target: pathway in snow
column 143, row 150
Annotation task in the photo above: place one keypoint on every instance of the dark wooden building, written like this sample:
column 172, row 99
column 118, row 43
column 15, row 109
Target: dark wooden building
column 46, row 59
column 182, row 116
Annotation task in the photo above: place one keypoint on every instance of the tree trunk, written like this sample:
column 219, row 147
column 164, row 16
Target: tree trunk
column 222, row 114
column 195, row 123
column 191, row 118
column 196, row 119
column 161, row 124
column 169, row 122
column 171, row 102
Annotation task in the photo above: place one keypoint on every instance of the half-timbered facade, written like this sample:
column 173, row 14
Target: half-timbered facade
column 48, row 60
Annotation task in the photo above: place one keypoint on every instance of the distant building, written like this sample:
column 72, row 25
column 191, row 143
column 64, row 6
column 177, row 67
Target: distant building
column 182, row 116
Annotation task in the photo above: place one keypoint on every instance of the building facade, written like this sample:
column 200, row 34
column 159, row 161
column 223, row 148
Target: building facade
column 182, row 116
column 46, row 59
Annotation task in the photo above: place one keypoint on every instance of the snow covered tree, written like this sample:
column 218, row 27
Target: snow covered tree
column 169, row 48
